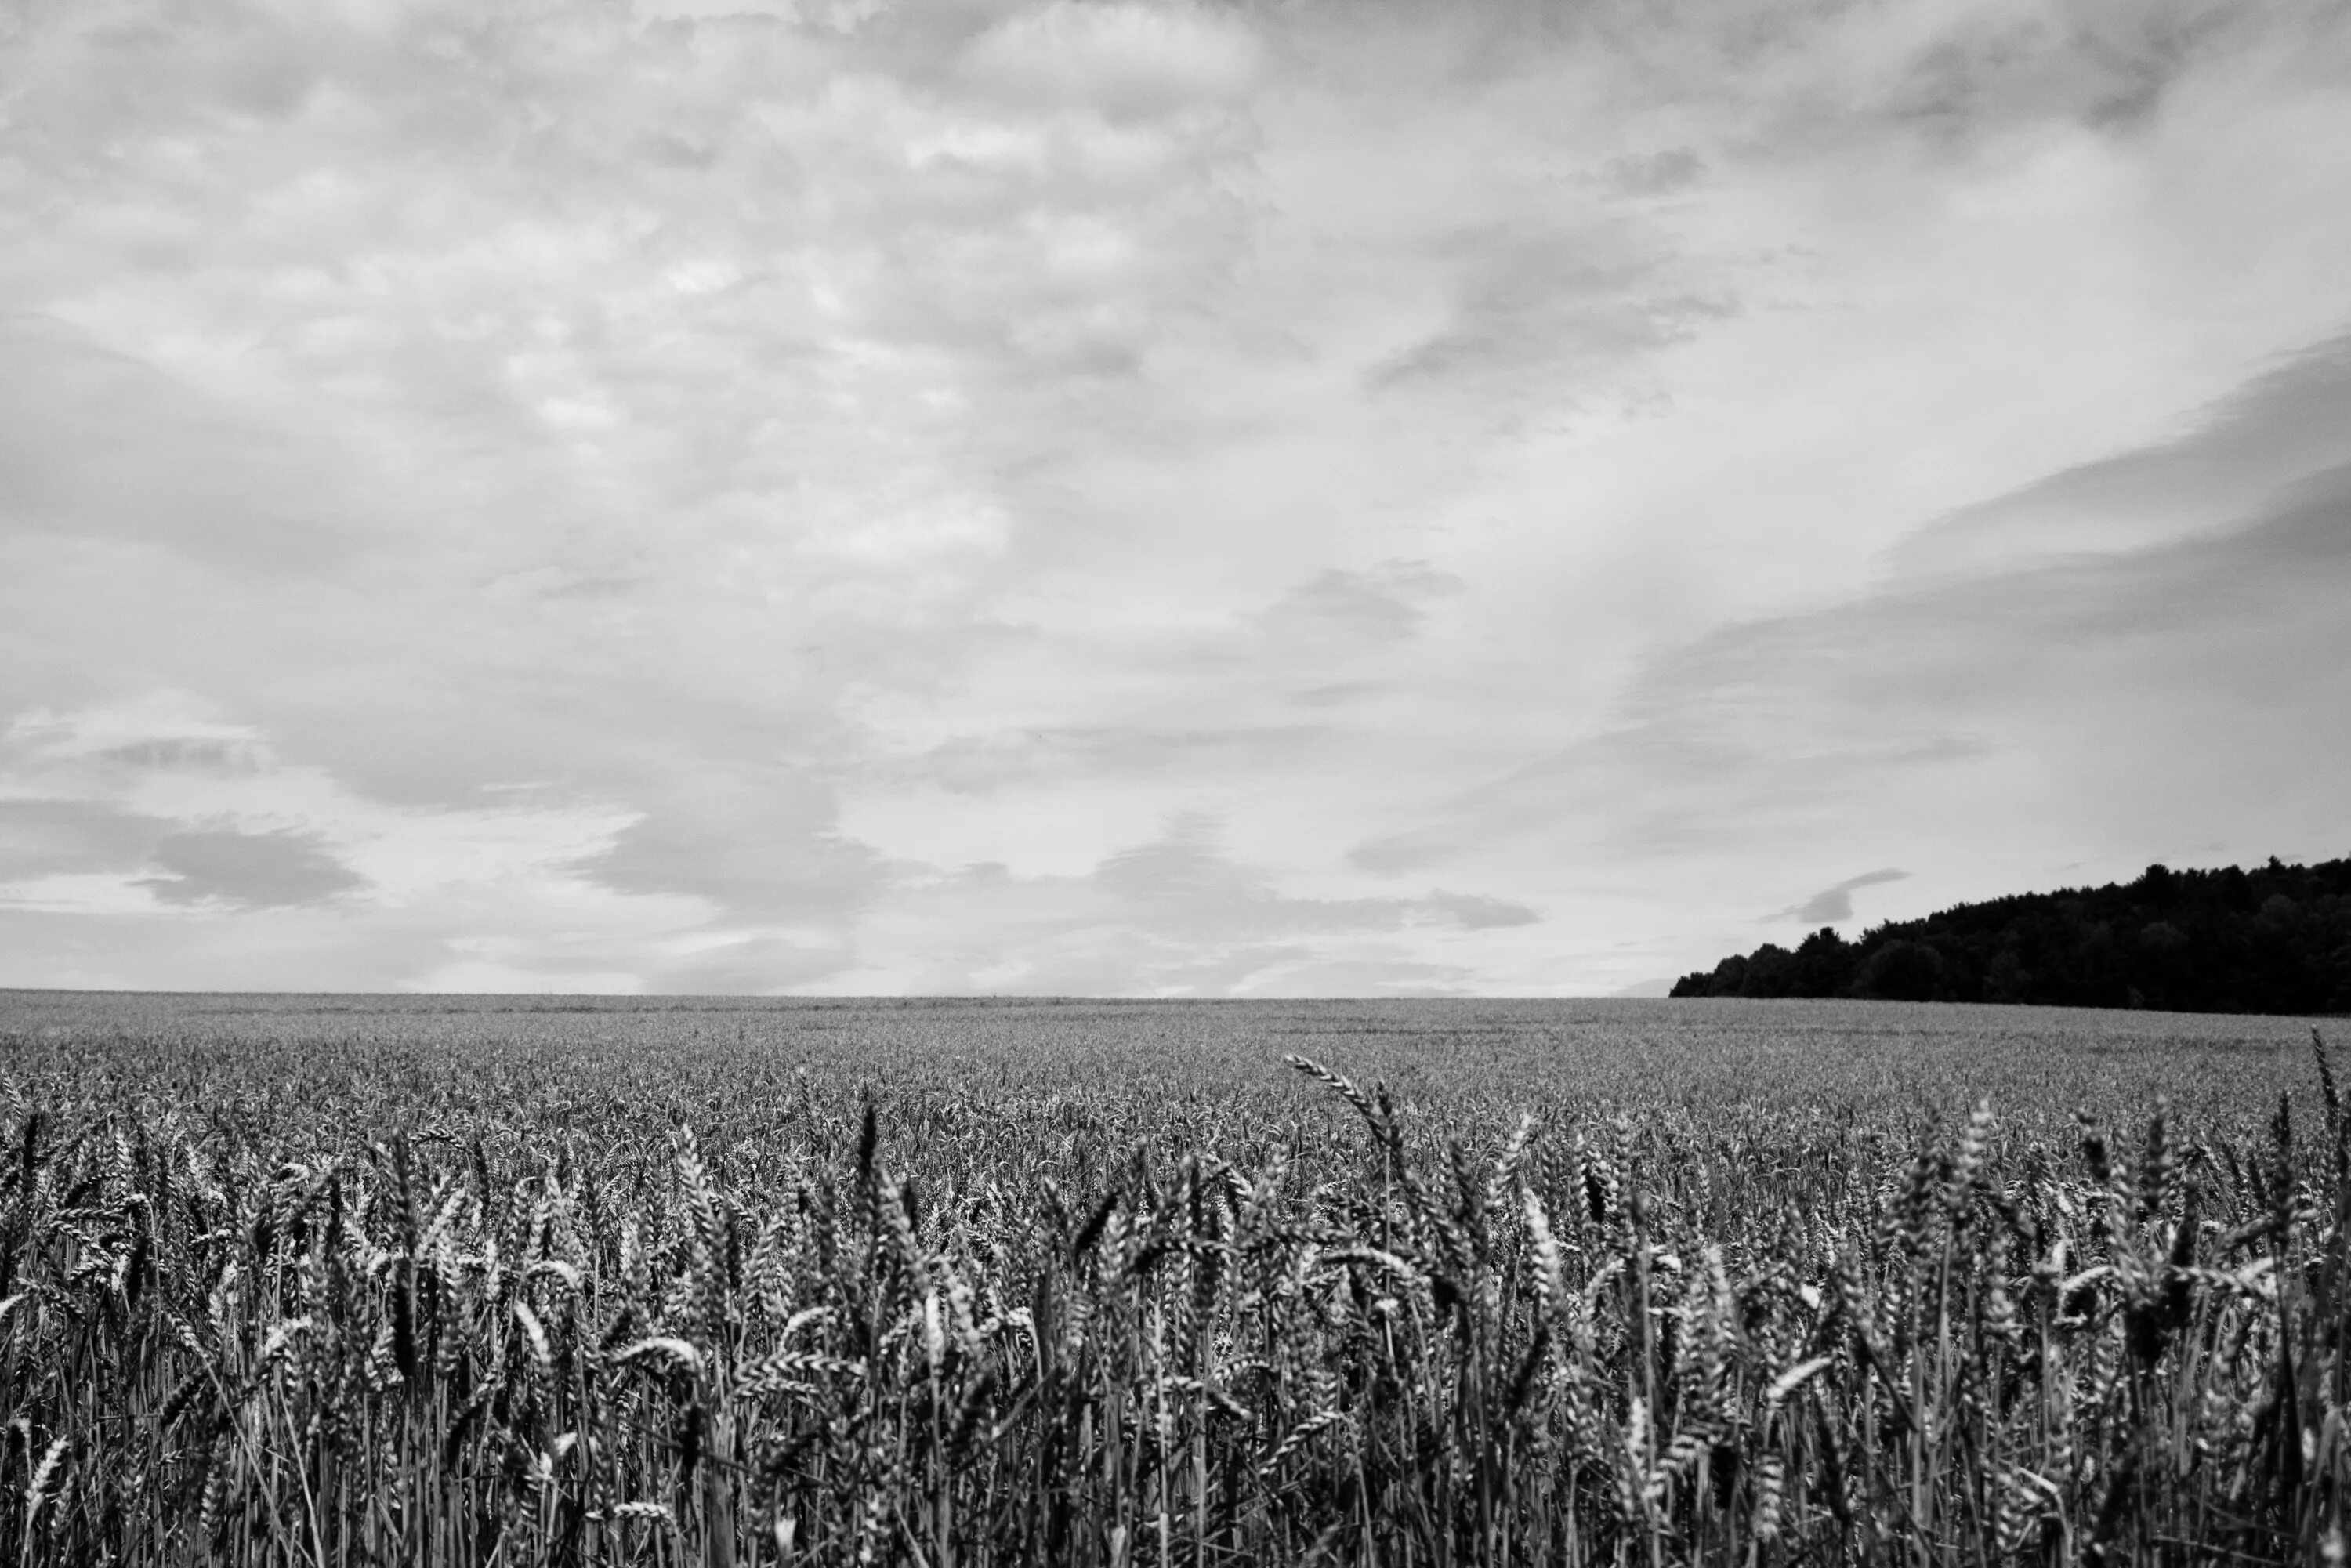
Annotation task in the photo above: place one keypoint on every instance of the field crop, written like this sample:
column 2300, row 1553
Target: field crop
column 433, row 1280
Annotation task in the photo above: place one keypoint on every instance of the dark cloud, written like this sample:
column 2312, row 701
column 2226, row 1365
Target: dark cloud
column 755, row 854
column 96, row 444
column 1561, row 306
column 2180, row 692
column 179, row 755
column 2285, row 425
column 1832, row 905
column 1182, row 883
column 1655, row 173
column 1379, row 607
column 44, row 837
column 255, row 871
column 2107, row 67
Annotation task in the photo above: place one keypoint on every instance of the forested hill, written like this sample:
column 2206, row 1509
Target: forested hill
column 2273, row 939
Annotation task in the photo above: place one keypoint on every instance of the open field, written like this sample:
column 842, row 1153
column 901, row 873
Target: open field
column 722, row 1061
column 359, row 1279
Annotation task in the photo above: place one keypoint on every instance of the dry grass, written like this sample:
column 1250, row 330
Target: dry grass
column 469, row 1287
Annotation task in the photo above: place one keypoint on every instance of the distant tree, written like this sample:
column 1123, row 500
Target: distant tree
column 1770, row 972
column 2273, row 938
column 2163, row 966
column 2007, row 979
column 1823, row 964
column 1902, row 971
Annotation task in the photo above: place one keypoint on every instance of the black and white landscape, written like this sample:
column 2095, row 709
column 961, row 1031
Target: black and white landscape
column 915, row 782
column 1151, row 499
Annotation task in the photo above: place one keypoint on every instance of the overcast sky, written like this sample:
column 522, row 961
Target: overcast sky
column 1156, row 498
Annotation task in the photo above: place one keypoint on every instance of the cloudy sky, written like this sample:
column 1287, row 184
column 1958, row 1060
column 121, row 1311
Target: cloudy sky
column 1302, row 497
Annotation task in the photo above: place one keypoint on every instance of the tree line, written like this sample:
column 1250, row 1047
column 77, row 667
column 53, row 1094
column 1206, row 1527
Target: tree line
column 2270, row 939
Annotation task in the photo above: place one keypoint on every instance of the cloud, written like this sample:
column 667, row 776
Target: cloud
column 788, row 865
column 2062, row 720
column 211, row 859
column 1477, row 912
column 1174, row 914
column 1832, row 905
column 1124, row 60
column 1655, row 173
column 2140, row 662
column 97, row 446
column 255, row 871
column 44, row 837
column 1376, row 608
column 1182, row 883
column 1334, row 639
column 661, row 495
column 2280, row 429
column 1553, row 305
column 58, row 841
column 2110, row 69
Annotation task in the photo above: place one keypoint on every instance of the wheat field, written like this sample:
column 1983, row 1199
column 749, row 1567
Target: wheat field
column 471, row 1281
